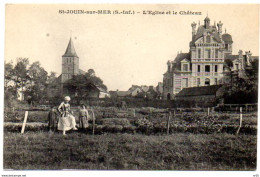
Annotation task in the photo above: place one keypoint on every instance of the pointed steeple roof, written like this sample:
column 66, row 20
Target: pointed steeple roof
column 70, row 52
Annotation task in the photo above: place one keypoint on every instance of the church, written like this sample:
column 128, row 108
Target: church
column 206, row 62
column 70, row 67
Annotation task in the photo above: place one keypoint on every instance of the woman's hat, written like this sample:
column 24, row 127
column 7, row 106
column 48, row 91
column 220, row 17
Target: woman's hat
column 67, row 98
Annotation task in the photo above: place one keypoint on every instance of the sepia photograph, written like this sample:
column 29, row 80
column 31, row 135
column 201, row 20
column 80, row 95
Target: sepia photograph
column 136, row 87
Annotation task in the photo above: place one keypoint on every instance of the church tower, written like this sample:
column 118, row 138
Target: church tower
column 70, row 63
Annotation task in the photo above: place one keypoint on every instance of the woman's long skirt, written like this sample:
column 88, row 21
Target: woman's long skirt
column 67, row 122
column 83, row 122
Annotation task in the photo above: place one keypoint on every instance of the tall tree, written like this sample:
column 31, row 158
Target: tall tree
column 20, row 74
column 36, row 91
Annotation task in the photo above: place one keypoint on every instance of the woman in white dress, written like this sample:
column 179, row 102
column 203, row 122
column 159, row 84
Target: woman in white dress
column 67, row 120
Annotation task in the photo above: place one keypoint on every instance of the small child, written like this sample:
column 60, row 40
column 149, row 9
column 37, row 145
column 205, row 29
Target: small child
column 83, row 117
column 53, row 119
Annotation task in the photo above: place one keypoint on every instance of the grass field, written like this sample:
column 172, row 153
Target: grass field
column 42, row 150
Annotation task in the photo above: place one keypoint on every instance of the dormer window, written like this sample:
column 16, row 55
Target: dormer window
column 208, row 39
column 185, row 67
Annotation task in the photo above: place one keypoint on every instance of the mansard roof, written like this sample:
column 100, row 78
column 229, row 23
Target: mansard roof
column 200, row 32
column 70, row 51
column 227, row 38
column 177, row 61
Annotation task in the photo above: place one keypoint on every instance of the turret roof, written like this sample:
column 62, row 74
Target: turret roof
column 70, row 52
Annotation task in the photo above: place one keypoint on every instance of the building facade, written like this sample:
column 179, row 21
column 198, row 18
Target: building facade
column 205, row 63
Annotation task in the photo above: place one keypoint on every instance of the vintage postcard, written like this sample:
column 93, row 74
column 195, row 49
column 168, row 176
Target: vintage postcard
column 137, row 87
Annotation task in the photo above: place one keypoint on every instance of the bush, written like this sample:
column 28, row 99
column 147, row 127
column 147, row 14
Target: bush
column 115, row 121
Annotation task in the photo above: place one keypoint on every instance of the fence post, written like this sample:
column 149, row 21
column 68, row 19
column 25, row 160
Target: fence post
column 93, row 121
column 24, row 121
column 241, row 119
column 208, row 111
column 134, row 112
column 168, row 123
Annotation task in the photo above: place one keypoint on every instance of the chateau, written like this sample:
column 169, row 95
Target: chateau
column 206, row 62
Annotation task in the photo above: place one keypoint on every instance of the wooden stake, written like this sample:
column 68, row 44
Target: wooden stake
column 168, row 123
column 134, row 112
column 24, row 121
column 208, row 111
column 241, row 119
column 93, row 120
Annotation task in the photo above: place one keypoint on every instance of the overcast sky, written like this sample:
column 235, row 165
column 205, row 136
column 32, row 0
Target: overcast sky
column 122, row 49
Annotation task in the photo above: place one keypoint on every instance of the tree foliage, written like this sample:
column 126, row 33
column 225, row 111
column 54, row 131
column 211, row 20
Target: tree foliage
column 244, row 89
column 30, row 80
column 81, row 85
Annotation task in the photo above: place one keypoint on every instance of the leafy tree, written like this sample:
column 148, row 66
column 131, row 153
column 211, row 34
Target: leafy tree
column 36, row 91
column 8, row 73
column 81, row 85
column 244, row 89
column 91, row 72
column 20, row 74
column 51, row 77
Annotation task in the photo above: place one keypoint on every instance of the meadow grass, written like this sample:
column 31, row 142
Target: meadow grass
column 180, row 151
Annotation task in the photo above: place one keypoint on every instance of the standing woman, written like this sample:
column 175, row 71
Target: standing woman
column 83, row 117
column 67, row 120
column 53, row 119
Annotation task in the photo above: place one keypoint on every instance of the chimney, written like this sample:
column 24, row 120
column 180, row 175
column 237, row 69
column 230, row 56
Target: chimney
column 193, row 25
column 241, row 59
column 220, row 28
column 169, row 66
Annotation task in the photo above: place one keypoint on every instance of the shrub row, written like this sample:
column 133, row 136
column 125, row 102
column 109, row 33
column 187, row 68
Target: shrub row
column 148, row 130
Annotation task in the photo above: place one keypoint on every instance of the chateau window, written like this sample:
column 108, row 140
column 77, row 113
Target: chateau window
column 216, row 53
column 207, row 82
column 237, row 66
column 226, row 46
column 208, row 53
column 184, row 82
column 198, row 68
column 198, row 82
column 207, row 68
column 199, row 53
column 216, row 68
column 208, row 39
column 185, row 67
